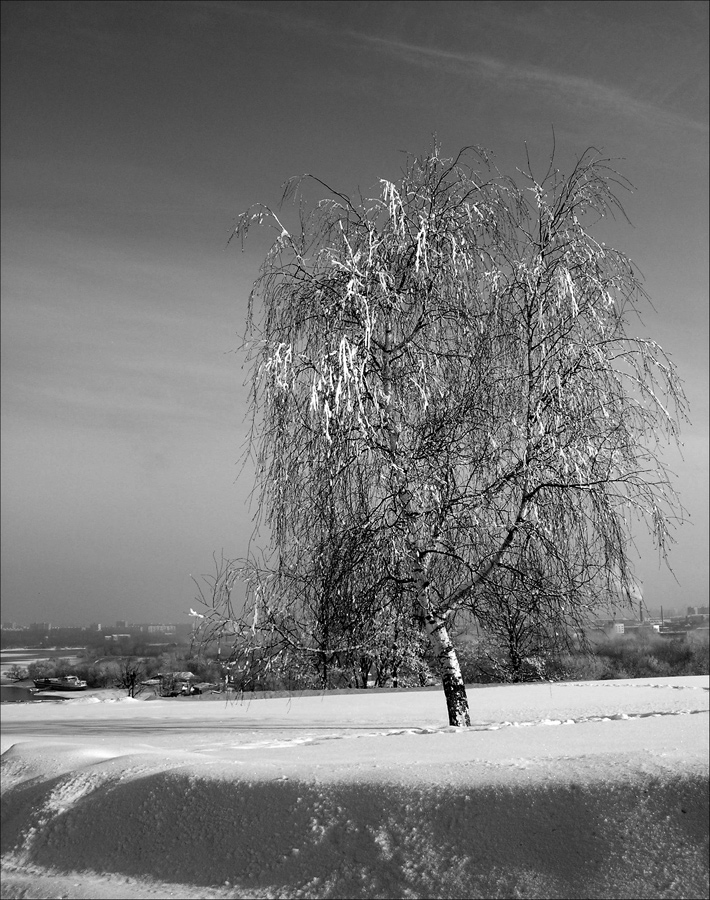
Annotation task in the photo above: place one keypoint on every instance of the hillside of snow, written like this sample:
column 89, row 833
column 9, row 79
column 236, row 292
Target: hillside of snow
column 589, row 789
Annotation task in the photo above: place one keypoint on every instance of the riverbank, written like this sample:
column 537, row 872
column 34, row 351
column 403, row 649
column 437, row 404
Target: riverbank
column 25, row 656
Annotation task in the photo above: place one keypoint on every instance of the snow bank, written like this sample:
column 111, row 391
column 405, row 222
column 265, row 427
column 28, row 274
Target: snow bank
column 588, row 790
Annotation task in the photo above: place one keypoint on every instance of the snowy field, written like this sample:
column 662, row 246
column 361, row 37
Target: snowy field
column 589, row 789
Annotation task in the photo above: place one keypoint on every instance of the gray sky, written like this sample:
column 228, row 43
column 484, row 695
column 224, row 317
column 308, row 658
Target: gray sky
column 133, row 135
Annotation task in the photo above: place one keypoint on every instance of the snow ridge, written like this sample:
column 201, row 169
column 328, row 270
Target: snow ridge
column 452, row 729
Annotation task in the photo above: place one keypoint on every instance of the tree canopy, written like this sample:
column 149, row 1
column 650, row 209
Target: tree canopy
column 448, row 398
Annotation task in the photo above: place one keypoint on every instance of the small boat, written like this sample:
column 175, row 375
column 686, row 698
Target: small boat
column 68, row 683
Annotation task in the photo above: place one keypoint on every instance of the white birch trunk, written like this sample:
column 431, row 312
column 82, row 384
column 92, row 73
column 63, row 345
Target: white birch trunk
column 454, row 687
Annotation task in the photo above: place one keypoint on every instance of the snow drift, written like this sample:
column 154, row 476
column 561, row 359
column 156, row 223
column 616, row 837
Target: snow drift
column 572, row 790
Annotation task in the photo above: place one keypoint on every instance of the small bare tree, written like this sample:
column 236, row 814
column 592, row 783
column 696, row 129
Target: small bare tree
column 441, row 376
column 17, row 673
column 129, row 674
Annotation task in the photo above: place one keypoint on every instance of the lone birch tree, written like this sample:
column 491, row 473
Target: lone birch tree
column 444, row 376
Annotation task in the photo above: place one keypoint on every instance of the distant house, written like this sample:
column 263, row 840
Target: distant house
column 609, row 628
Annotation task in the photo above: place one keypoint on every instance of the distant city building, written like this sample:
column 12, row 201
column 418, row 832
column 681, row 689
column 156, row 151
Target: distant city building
column 610, row 627
column 121, row 624
column 640, row 627
column 161, row 629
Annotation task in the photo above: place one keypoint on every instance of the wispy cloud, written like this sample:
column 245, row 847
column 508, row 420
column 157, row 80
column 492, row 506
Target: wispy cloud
column 506, row 71
column 586, row 93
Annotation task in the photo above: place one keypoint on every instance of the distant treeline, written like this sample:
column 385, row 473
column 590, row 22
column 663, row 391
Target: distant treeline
column 618, row 657
column 481, row 662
